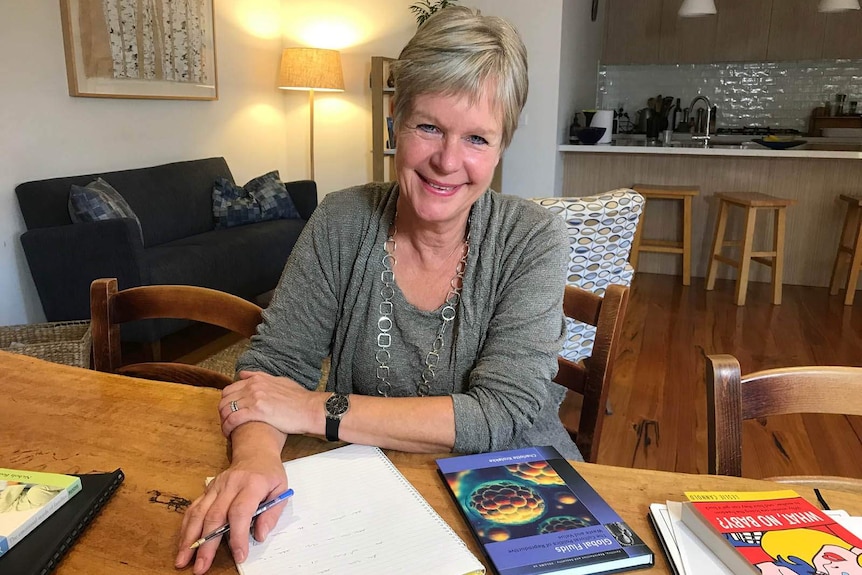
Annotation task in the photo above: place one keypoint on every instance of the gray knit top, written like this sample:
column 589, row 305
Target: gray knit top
column 499, row 353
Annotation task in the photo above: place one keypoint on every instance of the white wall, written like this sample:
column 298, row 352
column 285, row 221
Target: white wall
column 581, row 47
column 46, row 133
column 529, row 165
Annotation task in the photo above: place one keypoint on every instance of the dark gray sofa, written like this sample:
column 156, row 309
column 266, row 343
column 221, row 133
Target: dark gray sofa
column 180, row 244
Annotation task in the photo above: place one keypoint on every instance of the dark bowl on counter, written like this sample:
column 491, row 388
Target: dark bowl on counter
column 590, row 135
column 785, row 144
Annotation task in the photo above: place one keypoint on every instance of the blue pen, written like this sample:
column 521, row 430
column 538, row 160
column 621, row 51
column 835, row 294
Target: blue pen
column 226, row 527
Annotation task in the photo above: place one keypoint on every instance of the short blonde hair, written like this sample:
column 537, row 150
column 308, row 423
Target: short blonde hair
column 460, row 52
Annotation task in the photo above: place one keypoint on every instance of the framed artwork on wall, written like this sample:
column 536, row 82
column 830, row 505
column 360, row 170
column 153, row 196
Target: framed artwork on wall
column 152, row 49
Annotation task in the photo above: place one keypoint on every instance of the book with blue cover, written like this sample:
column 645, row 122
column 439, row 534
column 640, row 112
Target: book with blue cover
column 533, row 513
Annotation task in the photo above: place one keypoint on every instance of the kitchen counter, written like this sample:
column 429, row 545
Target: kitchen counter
column 682, row 145
column 812, row 177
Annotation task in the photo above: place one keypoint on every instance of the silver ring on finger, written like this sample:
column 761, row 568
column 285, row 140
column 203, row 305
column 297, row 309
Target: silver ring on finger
column 234, row 407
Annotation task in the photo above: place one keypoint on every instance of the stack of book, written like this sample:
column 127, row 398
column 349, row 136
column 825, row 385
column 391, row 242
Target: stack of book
column 42, row 514
column 736, row 533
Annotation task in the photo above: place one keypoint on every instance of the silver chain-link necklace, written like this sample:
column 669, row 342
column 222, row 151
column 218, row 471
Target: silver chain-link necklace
column 384, row 322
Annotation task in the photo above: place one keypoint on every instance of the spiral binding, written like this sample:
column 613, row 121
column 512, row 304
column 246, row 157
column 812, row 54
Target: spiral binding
column 422, row 501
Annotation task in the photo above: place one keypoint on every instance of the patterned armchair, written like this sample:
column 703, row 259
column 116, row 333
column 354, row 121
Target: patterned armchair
column 601, row 229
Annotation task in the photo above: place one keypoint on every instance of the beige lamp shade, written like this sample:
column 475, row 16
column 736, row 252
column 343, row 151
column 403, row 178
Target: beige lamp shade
column 838, row 5
column 311, row 69
column 692, row 8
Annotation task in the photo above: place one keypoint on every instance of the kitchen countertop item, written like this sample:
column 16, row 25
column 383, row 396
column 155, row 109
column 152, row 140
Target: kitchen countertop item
column 779, row 144
column 590, row 135
column 815, row 148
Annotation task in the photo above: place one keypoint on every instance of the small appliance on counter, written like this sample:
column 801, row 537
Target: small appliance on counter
column 603, row 119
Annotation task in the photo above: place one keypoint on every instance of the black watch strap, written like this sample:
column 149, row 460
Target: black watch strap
column 332, row 425
column 336, row 406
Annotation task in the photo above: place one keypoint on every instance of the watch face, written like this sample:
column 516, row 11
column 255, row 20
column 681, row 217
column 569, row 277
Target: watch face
column 337, row 405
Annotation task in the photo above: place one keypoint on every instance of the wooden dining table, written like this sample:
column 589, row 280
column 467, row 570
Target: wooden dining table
column 167, row 440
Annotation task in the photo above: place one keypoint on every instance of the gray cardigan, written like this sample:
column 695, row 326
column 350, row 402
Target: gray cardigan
column 499, row 356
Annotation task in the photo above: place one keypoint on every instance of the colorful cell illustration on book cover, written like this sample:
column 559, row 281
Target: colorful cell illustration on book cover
column 803, row 551
column 518, row 500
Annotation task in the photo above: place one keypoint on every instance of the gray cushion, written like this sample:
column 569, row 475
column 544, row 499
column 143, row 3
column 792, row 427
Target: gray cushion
column 98, row 201
column 263, row 198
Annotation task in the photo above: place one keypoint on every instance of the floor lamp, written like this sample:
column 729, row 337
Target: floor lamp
column 311, row 69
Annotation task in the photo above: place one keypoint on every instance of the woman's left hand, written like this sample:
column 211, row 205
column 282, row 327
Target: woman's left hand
column 278, row 401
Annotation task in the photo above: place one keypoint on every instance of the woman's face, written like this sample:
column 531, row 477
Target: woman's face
column 834, row 560
column 446, row 155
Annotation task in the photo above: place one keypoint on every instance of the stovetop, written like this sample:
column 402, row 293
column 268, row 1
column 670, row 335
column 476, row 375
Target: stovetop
column 756, row 131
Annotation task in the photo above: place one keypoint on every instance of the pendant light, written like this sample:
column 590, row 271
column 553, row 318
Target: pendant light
column 692, row 8
column 838, row 5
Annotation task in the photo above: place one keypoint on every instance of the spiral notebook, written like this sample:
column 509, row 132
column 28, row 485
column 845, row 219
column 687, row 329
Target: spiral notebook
column 353, row 512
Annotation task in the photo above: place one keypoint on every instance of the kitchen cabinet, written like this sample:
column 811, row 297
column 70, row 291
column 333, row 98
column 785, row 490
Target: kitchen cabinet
column 632, row 30
column 796, row 30
column 651, row 32
column 742, row 30
column 843, row 35
column 685, row 40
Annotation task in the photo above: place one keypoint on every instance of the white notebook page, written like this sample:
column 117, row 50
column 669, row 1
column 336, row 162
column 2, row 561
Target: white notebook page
column 353, row 512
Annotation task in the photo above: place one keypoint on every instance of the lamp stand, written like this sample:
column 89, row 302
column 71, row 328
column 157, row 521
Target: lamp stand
column 311, row 129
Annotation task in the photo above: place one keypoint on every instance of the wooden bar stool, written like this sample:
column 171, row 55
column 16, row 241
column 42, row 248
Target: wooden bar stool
column 849, row 250
column 751, row 202
column 683, row 194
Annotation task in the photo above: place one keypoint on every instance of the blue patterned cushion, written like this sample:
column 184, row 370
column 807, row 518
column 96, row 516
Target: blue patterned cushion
column 263, row 198
column 99, row 201
column 601, row 230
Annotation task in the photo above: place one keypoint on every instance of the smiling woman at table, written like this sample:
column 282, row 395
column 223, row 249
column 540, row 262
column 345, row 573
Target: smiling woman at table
column 439, row 301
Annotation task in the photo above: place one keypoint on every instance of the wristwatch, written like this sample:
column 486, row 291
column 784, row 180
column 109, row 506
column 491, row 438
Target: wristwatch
column 336, row 406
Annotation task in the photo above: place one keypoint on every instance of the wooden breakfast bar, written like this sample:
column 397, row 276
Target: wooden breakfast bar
column 813, row 175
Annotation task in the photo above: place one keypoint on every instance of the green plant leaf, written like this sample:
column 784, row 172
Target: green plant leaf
column 425, row 8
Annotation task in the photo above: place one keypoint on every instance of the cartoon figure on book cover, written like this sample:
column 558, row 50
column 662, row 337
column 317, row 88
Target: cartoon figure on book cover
column 808, row 551
column 16, row 496
column 518, row 500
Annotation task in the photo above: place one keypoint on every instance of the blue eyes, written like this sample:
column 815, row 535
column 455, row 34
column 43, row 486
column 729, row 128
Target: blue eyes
column 431, row 129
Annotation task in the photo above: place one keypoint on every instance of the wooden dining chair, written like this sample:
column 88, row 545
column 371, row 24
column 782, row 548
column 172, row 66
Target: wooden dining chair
column 110, row 307
column 733, row 398
column 587, row 382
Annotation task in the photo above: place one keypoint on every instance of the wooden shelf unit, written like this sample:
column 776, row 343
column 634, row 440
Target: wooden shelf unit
column 820, row 120
column 380, row 94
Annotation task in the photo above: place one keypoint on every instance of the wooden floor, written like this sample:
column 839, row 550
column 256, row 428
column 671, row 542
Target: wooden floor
column 658, row 392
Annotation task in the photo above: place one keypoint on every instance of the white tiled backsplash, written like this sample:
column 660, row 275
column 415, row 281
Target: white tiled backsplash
column 775, row 94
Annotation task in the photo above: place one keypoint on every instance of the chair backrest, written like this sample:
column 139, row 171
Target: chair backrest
column 591, row 377
column 601, row 229
column 732, row 398
column 109, row 308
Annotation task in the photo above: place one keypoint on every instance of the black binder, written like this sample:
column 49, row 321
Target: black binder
column 41, row 549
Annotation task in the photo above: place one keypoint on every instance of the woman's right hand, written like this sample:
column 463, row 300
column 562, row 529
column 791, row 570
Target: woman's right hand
column 233, row 497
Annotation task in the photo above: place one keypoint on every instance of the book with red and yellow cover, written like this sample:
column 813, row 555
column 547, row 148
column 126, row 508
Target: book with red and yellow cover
column 771, row 533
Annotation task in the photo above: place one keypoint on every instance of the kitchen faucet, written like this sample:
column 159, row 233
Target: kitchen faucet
column 705, row 137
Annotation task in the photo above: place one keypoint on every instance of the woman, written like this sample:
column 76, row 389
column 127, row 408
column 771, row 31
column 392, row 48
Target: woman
column 439, row 301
